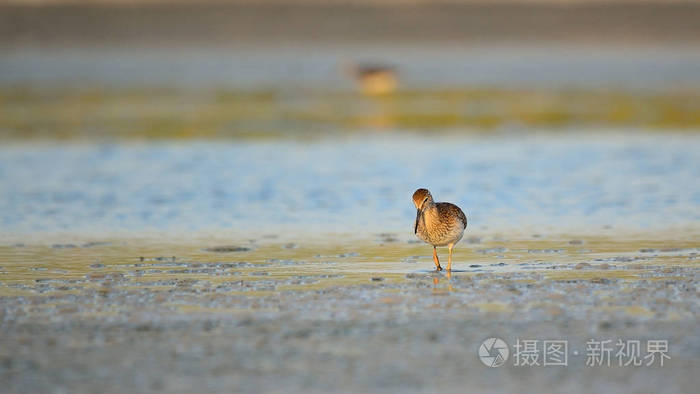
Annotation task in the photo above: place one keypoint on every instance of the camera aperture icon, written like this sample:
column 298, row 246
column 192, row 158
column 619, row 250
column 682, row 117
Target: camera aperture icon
column 493, row 352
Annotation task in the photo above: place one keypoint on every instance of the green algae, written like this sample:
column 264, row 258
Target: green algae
column 268, row 267
column 159, row 113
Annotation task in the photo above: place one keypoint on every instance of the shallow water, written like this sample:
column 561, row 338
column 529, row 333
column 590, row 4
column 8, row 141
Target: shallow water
column 533, row 183
column 332, row 261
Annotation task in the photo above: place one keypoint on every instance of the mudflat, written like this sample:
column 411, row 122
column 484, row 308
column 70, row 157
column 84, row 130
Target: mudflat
column 342, row 313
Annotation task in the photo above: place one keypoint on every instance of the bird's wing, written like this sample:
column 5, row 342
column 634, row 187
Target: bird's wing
column 462, row 216
column 449, row 208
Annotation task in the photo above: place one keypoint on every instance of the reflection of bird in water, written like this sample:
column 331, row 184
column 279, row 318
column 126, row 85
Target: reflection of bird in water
column 375, row 79
column 439, row 224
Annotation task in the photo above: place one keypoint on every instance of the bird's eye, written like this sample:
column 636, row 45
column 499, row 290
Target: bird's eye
column 425, row 199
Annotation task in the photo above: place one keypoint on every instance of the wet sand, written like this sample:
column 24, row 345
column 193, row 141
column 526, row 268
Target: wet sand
column 340, row 313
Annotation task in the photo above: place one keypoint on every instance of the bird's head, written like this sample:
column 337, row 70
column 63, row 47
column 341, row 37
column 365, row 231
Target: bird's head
column 421, row 197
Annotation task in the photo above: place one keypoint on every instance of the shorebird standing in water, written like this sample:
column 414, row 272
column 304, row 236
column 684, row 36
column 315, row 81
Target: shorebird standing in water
column 438, row 223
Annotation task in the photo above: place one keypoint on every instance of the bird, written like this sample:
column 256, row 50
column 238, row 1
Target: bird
column 438, row 223
column 374, row 79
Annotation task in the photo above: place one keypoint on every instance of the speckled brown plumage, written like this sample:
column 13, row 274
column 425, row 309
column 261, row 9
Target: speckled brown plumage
column 439, row 224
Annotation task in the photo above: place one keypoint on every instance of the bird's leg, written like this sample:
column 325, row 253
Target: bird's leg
column 449, row 259
column 437, row 262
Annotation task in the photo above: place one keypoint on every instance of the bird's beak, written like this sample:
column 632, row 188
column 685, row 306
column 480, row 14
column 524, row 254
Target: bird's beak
column 415, row 229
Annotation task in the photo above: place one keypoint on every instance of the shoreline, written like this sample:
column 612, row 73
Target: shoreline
column 472, row 236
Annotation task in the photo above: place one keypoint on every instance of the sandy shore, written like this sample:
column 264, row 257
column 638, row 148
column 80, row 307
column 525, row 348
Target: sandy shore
column 273, row 314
